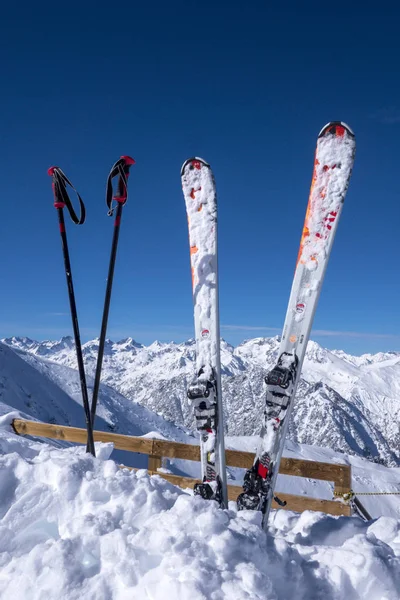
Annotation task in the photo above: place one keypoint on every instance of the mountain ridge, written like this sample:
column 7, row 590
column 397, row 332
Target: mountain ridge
column 343, row 402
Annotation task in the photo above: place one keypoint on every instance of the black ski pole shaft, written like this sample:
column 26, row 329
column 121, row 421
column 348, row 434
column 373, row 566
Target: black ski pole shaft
column 121, row 168
column 61, row 200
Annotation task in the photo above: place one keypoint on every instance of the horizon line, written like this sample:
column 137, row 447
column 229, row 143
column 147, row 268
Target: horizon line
column 317, row 332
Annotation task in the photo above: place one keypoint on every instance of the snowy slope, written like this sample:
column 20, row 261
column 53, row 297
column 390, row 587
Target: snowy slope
column 74, row 527
column 344, row 402
column 23, row 388
column 50, row 392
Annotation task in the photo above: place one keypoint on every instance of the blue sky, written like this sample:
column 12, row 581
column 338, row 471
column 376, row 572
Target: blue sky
column 247, row 86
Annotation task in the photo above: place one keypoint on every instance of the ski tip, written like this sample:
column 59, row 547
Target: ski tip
column 337, row 128
column 194, row 163
column 50, row 172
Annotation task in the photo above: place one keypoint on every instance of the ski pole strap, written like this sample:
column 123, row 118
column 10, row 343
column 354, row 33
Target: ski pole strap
column 120, row 169
column 61, row 197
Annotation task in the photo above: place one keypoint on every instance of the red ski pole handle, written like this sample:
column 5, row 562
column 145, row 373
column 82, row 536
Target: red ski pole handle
column 129, row 161
column 122, row 187
column 58, row 201
column 61, row 197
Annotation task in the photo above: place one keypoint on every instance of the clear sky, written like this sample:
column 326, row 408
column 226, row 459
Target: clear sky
column 245, row 85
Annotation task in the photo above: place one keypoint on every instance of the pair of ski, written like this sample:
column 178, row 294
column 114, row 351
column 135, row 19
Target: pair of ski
column 120, row 170
column 333, row 164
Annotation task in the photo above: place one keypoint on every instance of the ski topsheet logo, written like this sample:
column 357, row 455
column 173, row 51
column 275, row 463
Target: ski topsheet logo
column 327, row 225
column 196, row 164
column 205, row 333
column 300, row 307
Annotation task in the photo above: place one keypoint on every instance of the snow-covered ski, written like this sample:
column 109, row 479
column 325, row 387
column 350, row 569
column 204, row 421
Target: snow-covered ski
column 205, row 390
column 333, row 164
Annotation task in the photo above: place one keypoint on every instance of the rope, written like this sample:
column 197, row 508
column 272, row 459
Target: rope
column 376, row 493
column 348, row 496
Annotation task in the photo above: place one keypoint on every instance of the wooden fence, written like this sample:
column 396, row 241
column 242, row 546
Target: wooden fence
column 340, row 475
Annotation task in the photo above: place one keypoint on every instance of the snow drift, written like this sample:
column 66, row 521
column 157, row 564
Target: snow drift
column 75, row 527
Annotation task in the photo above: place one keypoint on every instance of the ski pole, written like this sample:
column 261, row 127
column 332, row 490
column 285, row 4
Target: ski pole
column 120, row 169
column 62, row 200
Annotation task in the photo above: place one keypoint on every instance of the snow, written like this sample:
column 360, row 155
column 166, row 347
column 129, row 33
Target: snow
column 333, row 164
column 201, row 206
column 74, row 527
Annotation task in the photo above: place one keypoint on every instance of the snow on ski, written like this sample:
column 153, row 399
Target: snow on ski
column 205, row 390
column 333, row 164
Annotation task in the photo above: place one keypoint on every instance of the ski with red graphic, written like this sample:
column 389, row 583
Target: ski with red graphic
column 205, row 389
column 333, row 165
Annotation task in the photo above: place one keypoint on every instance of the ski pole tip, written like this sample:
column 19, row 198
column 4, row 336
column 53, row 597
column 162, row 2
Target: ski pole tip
column 50, row 171
column 128, row 160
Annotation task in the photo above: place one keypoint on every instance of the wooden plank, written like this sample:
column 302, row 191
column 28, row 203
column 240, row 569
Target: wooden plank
column 339, row 474
column 179, row 480
column 315, row 470
column 176, row 450
column 77, row 435
column 302, row 503
column 237, row 458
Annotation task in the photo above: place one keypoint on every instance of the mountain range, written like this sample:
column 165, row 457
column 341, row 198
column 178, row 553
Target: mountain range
column 347, row 403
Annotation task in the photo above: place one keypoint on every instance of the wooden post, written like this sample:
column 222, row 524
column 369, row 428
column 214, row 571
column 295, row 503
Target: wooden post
column 343, row 480
column 154, row 463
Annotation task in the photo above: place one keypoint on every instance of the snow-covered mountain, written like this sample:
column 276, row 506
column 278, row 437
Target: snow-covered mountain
column 347, row 403
column 48, row 391
column 101, row 531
